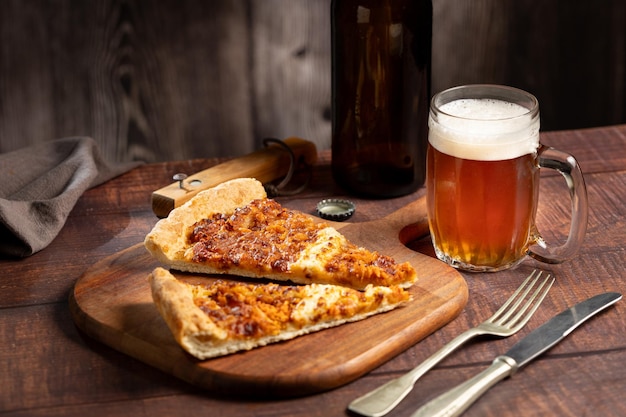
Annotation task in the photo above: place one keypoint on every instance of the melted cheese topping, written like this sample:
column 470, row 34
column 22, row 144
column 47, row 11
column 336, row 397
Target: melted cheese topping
column 260, row 236
column 252, row 311
column 333, row 255
column 265, row 237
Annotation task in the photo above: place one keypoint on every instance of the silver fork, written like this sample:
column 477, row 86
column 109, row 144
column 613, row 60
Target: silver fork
column 509, row 319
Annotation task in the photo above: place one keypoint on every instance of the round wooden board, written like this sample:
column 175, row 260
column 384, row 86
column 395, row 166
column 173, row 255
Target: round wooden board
column 112, row 303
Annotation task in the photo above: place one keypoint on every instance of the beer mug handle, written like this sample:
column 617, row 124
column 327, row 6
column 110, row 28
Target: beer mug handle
column 568, row 166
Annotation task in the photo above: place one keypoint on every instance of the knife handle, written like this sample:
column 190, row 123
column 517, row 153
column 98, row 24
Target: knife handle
column 458, row 399
column 265, row 165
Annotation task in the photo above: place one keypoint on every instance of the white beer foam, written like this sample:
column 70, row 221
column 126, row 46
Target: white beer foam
column 484, row 130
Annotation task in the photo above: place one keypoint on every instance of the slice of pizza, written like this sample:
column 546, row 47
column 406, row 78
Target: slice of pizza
column 235, row 229
column 224, row 316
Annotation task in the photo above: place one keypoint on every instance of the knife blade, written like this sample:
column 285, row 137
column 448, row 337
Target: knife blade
column 458, row 399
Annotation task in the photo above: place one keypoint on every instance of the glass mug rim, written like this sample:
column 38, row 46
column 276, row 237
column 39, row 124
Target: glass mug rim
column 486, row 91
column 481, row 137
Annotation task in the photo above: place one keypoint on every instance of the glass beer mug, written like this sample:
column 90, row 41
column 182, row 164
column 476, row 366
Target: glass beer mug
column 482, row 180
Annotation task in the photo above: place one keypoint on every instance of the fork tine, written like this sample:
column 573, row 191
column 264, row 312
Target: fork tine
column 514, row 298
column 537, row 298
column 519, row 301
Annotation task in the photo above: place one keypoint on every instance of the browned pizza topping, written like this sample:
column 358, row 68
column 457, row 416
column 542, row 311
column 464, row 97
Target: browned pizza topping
column 266, row 238
column 255, row 310
column 247, row 311
column 262, row 235
column 367, row 266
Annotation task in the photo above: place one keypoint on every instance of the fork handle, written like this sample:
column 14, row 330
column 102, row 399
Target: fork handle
column 454, row 402
column 383, row 399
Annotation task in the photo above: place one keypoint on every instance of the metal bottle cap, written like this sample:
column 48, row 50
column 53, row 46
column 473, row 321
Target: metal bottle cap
column 335, row 209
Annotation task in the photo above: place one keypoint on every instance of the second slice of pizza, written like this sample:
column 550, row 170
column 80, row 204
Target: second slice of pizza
column 224, row 316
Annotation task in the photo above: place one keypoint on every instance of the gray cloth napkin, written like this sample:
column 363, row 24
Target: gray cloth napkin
column 39, row 186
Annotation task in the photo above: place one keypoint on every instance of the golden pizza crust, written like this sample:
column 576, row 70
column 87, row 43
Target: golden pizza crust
column 168, row 239
column 320, row 307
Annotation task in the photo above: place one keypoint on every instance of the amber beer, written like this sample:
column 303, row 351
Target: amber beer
column 480, row 225
column 482, row 180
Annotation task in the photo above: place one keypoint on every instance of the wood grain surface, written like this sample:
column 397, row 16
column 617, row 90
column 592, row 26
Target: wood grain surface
column 112, row 303
column 162, row 80
column 50, row 368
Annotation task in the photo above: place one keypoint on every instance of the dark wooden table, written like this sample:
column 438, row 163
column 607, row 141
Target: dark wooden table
column 48, row 367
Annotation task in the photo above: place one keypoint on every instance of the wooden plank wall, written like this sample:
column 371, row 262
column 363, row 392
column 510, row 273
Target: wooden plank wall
column 158, row 80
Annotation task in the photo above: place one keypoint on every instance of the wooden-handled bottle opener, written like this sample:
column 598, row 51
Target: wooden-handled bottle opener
column 266, row 165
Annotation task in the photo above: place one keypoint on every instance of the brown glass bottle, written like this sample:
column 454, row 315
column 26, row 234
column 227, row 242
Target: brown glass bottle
column 381, row 60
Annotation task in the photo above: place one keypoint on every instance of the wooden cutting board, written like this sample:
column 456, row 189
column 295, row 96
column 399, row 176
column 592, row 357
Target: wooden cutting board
column 112, row 303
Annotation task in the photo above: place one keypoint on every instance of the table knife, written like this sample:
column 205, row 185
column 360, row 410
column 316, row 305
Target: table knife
column 458, row 399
